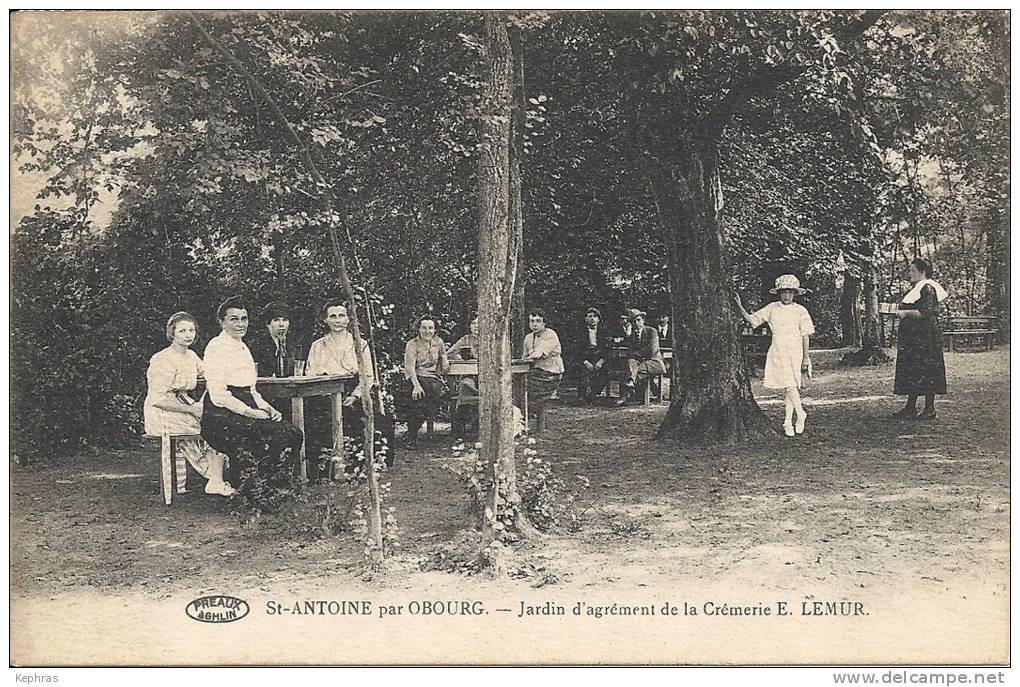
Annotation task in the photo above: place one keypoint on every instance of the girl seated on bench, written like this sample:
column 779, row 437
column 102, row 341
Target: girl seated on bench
column 170, row 409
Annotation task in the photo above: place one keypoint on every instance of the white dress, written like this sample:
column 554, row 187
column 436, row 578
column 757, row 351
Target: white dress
column 170, row 371
column 789, row 325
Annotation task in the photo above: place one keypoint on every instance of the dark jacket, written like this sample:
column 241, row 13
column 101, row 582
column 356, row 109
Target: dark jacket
column 263, row 351
column 584, row 351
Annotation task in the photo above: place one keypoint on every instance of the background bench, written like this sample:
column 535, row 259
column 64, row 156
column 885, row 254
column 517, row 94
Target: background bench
column 977, row 326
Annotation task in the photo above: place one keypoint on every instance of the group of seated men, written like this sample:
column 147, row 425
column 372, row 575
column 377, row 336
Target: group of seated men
column 630, row 353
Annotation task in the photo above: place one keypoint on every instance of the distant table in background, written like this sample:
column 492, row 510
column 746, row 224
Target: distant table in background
column 297, row 389
column 519, row 375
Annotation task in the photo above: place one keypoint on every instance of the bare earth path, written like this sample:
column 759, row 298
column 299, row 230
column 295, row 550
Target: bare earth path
column 909, row 520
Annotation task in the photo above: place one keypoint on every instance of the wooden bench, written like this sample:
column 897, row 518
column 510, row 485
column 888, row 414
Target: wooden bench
column 667, row 358
column 971, row 326
column 756, row 346
column 161, row 465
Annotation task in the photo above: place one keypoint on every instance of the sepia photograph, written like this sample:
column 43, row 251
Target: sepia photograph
column 510, row 337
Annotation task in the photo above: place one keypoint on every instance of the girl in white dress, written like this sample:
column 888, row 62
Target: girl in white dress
column 789, row 353
column 170, row 409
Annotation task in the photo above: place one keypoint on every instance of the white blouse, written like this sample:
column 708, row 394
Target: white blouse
column 228, row 362
column 328, row 356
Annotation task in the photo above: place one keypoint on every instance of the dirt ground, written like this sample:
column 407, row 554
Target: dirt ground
column 909, row 519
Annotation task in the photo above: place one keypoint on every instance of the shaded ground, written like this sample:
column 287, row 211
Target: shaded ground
column 904, row 516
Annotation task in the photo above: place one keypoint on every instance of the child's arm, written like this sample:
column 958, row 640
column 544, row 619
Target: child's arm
column 743, row 313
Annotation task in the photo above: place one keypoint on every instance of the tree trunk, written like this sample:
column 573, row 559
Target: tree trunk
column 872, row 319
column 519, row 318
column 498, row 243
column 871, row 352
column 715, row 400
column 850, row 311
column 997, row 271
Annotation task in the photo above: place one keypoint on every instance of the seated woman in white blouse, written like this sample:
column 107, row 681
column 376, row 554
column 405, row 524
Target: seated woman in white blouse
column 334, row 354
column 236, row 419
column 170, row 409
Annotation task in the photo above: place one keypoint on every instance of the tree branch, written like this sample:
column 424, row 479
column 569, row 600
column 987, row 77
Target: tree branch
column 766, row 80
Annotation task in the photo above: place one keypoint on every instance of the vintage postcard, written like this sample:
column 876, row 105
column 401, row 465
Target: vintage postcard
column 510, row 337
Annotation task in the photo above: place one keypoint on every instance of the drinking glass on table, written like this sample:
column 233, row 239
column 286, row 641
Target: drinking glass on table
column 299, row 368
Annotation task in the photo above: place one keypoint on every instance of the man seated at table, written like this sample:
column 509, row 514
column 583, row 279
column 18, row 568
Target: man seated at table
column 272, row 349
column 665, row 333
column 644, row 360
column 665, row 344
column 592, row 357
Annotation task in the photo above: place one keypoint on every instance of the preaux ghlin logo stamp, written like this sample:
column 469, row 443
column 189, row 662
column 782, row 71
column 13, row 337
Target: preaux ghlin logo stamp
column 217, row 609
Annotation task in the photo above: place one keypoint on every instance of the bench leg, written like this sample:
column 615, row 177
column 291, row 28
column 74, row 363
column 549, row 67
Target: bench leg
column 167, row 469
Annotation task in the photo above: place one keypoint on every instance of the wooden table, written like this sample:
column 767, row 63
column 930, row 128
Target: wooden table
column 297, row 389
column 518, row 370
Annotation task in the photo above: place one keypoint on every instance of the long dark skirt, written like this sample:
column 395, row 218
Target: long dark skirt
column 920, row 363
column 542, row 384
column 259, row 450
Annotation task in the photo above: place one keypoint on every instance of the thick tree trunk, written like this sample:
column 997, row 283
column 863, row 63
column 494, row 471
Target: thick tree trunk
column 850, row 311
column 498, row 242
column 715, row 400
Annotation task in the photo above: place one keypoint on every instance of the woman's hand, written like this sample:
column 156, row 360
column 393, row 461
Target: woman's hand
column 351, row 400
column 807, row 367
column 417, row 393
column 274, row 414
column 259, row 414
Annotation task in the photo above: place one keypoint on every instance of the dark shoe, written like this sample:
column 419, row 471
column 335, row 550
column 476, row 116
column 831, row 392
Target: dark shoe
column 410, row 442
column 905, row 414
column 927, row 414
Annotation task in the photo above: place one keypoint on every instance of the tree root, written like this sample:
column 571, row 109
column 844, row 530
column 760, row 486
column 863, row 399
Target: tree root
column 733, row 423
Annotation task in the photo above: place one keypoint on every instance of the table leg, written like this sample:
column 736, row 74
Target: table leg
column 524, row 394
column 336, row 403
column 297, row 413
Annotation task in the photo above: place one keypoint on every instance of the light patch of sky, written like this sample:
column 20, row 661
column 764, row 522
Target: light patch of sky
column 25, row 28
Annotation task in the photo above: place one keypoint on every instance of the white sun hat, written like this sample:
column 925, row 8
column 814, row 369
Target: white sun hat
column 788, row 281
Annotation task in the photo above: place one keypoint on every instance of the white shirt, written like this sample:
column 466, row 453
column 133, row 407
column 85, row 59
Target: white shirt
column 329, row 357
column 228, row 362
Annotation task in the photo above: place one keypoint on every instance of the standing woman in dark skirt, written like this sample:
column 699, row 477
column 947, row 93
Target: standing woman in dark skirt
column 542, row 346
column 237, row 421
column 920, row 364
